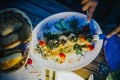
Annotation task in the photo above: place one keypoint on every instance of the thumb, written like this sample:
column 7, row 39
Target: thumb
column 91, row 11
column 115, row 31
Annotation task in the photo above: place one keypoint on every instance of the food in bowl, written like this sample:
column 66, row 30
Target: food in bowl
column 15, row 35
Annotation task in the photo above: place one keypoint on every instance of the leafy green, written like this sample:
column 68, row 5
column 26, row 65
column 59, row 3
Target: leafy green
column 74, row 23
column 62, row 22
column 114, row 75
column 53, row 44
column 73, row 39
column 78, row 49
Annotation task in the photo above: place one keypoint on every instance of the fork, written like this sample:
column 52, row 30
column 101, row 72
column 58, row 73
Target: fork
column 99, row 36
column 88, row 22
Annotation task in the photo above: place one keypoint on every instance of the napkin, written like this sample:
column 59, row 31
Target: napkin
column 112, row 51
column 67, row 76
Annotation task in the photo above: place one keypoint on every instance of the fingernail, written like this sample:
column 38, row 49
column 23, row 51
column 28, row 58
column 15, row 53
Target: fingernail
column 88, row 20
column 108, row 36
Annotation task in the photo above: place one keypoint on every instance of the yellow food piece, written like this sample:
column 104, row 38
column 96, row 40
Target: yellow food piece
column 67, row 49
column 13, row 45
column 10, row 61
column 28, row 39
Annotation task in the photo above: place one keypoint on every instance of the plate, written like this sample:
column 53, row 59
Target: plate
column 23, row 47
column 50, row 25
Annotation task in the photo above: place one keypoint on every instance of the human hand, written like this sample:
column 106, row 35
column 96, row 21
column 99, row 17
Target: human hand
column 89, row 5
column 115, row 31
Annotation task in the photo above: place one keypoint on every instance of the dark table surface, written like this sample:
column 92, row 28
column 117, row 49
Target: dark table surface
column 37, row 10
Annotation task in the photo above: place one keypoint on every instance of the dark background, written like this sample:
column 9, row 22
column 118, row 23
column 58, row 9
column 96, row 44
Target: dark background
column 107, row 13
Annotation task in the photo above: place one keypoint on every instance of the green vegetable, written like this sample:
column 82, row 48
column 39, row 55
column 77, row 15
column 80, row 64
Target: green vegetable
column 74, row 23
column 114, row 75
column 53, row 44
column 67, row 25
column 56, row 59
column 73, row 39
column 78, row 49
column 58, row 26
column 48, row 36
column 89, row 38
column 39, row 49
column 79, row 52
column 62, row 22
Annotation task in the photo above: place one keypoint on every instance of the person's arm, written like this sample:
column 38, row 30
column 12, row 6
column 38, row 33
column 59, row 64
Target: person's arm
column 89, row 5
column 115, row 31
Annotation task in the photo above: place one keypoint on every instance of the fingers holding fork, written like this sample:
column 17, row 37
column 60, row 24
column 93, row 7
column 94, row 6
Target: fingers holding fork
column 89, row 6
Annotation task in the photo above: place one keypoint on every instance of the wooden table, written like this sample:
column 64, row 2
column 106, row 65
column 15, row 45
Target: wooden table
column 37, row 10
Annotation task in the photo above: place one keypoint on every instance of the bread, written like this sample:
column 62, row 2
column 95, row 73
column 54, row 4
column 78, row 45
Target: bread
column 10, row 61
column 25, row 33
column 10, row 41
column 15, row 30
column 9, row 52
column 9, row 22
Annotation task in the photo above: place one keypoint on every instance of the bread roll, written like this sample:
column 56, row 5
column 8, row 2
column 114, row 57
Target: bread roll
column 10, row 41
column 9, row 52
column 25, row 33
column 9, row 23
column 15, row 27
column 10, row 61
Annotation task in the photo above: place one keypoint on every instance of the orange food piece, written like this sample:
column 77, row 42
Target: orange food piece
column 62, row 56
column 42, row 43
column 90, row 47
column 61, row 61
column 82, row 38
